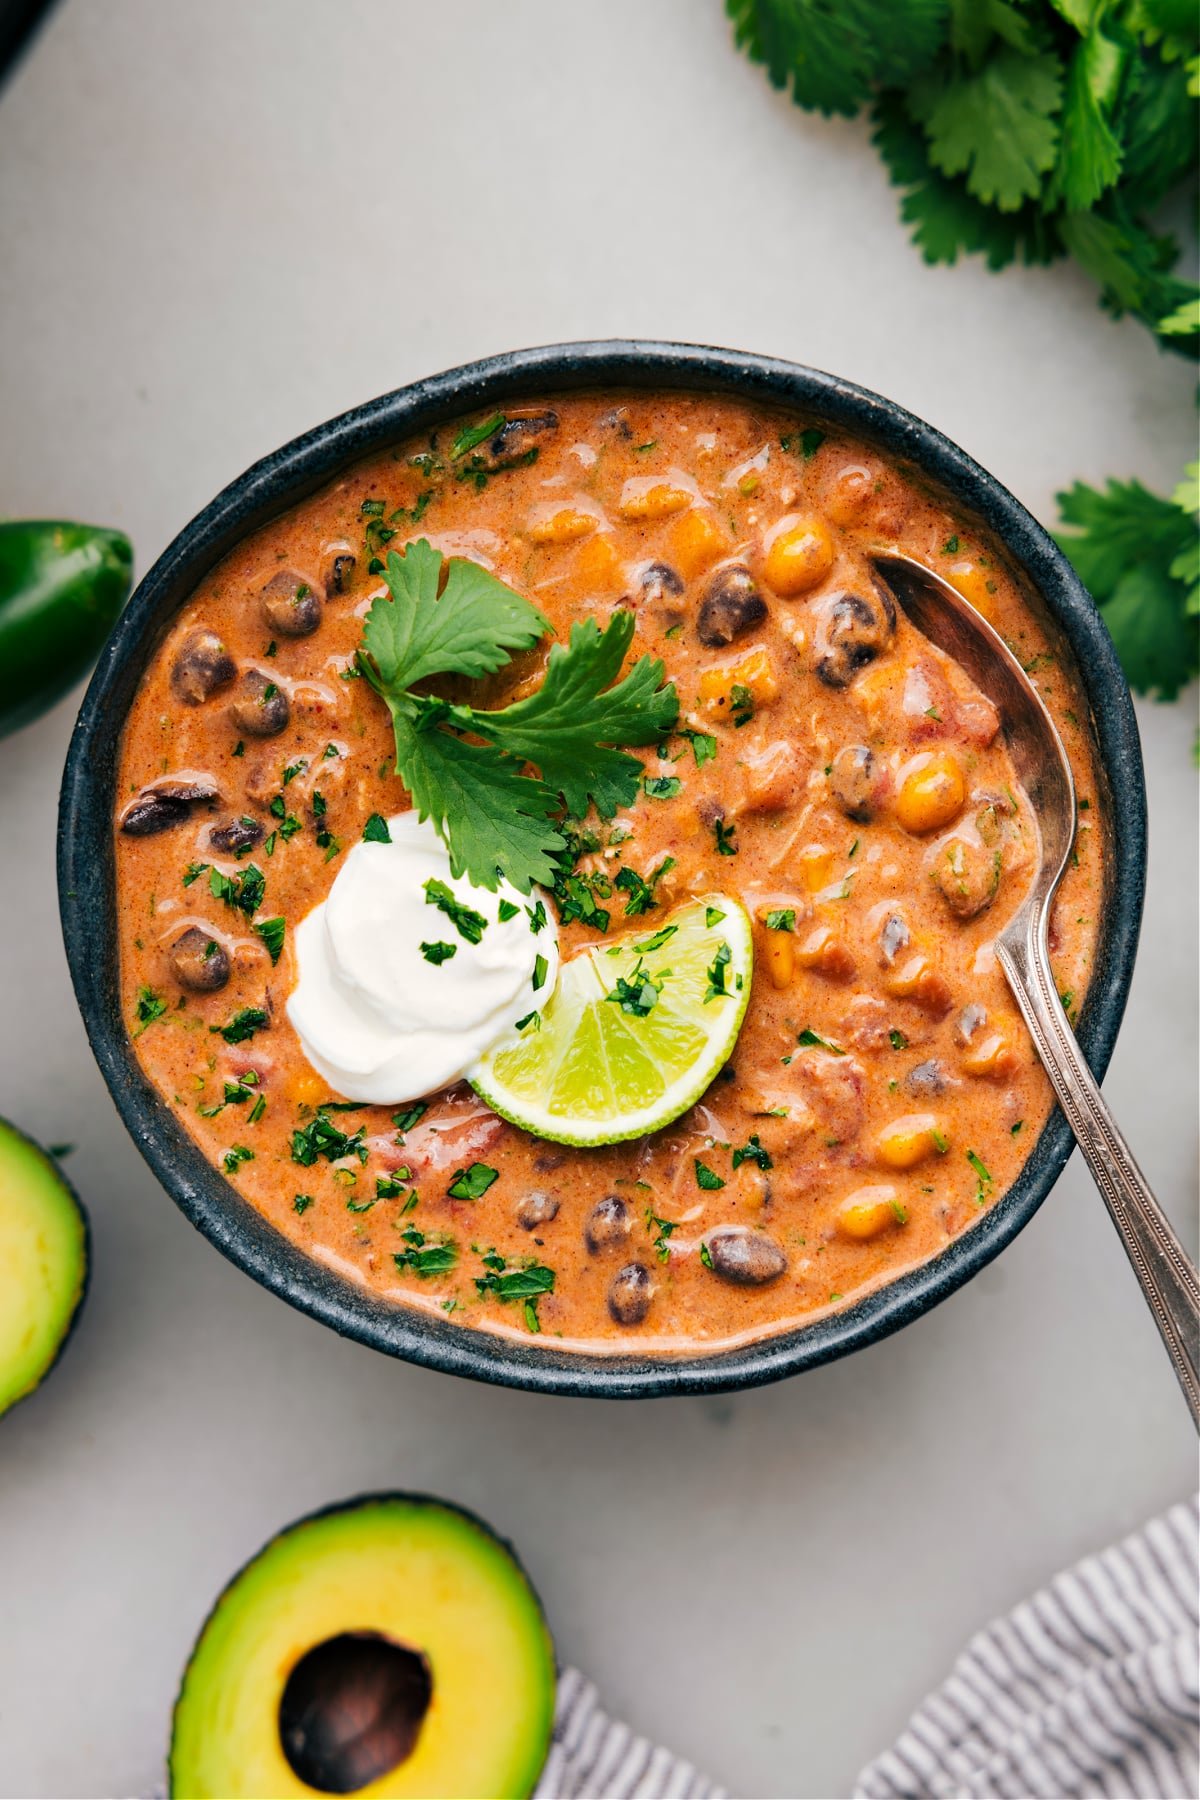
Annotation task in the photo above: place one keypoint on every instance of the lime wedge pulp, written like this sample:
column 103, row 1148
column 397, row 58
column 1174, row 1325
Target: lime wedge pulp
column 633, row 1033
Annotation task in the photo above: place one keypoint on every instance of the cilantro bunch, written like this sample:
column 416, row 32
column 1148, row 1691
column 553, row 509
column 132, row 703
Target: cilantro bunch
column 467, row 768
column 1027, row 130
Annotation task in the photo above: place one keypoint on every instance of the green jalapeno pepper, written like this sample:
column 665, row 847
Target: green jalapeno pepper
column 61, row 588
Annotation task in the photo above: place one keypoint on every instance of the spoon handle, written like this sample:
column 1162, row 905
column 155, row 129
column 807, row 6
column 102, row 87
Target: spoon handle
column 1163, row 1267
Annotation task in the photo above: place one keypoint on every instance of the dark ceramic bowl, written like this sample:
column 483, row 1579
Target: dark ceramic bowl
column 86, row 873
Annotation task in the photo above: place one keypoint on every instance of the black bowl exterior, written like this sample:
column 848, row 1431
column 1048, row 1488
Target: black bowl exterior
column 86, row 861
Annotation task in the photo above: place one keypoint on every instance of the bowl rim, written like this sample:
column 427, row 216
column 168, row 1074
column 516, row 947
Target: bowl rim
column 286, row 477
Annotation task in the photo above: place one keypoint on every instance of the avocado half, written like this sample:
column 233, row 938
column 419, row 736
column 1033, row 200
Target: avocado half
column 391, row 1645
column 43, row 1263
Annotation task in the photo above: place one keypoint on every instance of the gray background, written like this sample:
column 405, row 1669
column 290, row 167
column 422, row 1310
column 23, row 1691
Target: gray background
column 221, row 222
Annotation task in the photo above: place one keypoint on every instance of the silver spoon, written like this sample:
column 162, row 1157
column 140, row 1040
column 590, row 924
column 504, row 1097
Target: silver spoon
column 1168, row 1278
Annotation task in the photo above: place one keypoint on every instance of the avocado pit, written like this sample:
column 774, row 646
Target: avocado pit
column 352, row 1710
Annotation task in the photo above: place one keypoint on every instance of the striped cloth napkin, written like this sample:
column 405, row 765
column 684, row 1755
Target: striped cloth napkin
column 1092, row 1687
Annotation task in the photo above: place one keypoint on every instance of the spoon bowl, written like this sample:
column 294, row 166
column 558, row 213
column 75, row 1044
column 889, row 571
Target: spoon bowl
column 1167, row 1275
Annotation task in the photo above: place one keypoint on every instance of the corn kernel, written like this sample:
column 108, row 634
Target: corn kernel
column 932, row 794
column 695, row 542
column 755, row 672
column 975, row 585
column 992, row 1057
column 597, row 563
column 868, row 1211
column 908, row 1141
column 566, row 526
column 816, row 866
column 643, row 499
column 799, row 554
column 780, row 958
column 306, row 1089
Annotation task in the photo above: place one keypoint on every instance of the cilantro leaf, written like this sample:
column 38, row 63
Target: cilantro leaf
column 493, row 817
column 412, row 634
column 568, row 727
column 946, row 220
column 1089, row 152
column 829, row 53
column 997, row 126
column 1139, row 556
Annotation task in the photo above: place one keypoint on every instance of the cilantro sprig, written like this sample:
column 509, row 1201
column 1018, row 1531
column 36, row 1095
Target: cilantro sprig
column 453, row 618
column 1029, row 130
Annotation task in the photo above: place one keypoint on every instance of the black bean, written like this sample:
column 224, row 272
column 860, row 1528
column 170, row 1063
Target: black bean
column 340, row 573
column 968, row 1022
column 629, row 1294
column 167, row 802
column 608, row 1223
column 746, row 1258
column 517, row 441
column 151, row 813
column 853, row 630
column 199, row 962
column 235, row 836
column 292, row 605
column 894, row 937
column 261, row 708
column 536, row 1209
column 731, row 606
column 926, row 1080
column 852, row 782
column 202, row 665
column 657, row 579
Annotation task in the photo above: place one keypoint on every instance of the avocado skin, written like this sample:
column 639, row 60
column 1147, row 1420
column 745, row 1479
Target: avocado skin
column 387, row 1497
column 61, row 588
column 9, row 1130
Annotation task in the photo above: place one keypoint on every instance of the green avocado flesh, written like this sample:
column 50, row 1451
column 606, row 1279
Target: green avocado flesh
column 391, row 1646
column 43, row 1263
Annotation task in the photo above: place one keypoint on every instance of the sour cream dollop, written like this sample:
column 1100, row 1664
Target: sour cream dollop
column 378, row 1019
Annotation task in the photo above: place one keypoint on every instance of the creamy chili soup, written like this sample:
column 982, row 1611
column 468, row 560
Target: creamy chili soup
column 829, row 768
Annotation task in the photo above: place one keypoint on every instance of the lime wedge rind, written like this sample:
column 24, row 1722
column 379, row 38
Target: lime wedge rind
column 596, row 1074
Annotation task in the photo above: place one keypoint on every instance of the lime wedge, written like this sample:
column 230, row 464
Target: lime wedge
column 633, row 1033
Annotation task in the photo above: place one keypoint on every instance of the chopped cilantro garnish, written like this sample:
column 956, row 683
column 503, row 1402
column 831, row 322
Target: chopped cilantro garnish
column 468, row 923
column 662, row 787
column 725, row 835
column 897, row 1040
column 526, row 1282
column 716, row 971
column 713, row 916
column 638, row 994
column 426, row 1256
column 706, row 1177
column 321, row 1137
column 243, row 1025
column 642, row 891
column 438, row 952
column 404, row 1121
column 272, row 932
column 150, row 1006
column 234, row 1156
column 193, row 872
column 781, row 918
column 506, row 911
column 375, row 831
column 810, row 1039
column 704, row 745
column 754, row 1152
column 243, row 892
column 472, row 1183
column 302, row 1202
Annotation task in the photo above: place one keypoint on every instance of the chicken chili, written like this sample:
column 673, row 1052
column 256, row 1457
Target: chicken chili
column 822, row 764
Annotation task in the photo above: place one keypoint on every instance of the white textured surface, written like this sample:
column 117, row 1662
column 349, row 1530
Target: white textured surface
column 221, row 222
